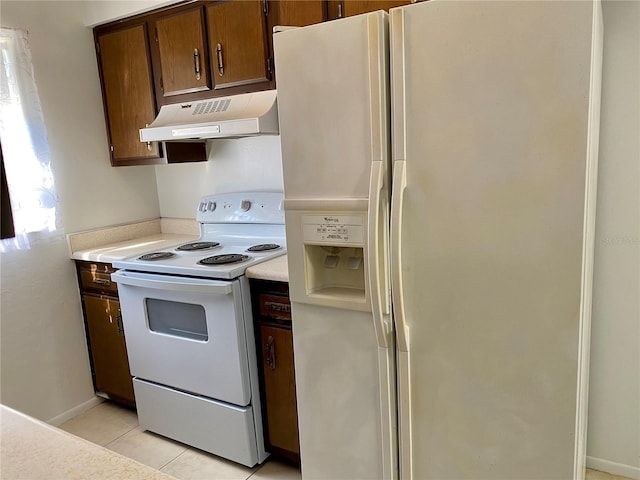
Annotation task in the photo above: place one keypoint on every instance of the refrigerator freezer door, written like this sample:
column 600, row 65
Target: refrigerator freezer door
column 333, row 106
column 495, row 119
column 333, row 109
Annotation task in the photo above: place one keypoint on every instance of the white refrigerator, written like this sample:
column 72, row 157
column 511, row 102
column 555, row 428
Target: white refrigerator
column 440, row 163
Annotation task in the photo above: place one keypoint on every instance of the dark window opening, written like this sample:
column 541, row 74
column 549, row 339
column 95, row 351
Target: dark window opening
column 8, row 230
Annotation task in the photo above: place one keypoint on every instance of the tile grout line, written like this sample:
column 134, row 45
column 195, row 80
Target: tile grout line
column 173, row 459
column 119, row 437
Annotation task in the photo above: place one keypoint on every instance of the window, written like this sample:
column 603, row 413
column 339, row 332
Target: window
column 5, row 202
column 25, row 150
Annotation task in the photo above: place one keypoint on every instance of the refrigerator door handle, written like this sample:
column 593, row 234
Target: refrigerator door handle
column 377, row 255
column 397, row 292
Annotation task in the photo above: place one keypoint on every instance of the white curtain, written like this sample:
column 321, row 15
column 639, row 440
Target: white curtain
column 24, row 145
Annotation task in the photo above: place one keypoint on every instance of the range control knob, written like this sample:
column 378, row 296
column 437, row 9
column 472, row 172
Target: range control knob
column 202, row 207
column 245, row 205
column 211, row 206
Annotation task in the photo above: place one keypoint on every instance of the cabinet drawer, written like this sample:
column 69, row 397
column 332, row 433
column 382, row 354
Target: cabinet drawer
column 274, row 306
column 97, row 277
column 217, row 427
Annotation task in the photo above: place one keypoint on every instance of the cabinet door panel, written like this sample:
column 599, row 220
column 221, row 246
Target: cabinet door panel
column 348, row 8
column 237, row 43
column 183, row 58
column 108, row 349
column 298, row 14
column 280, row 387
column 127, row 92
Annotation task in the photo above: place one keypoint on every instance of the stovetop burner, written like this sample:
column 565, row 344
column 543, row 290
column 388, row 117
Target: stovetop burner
column 224, row 259
column 263, row 247
column 190, row 247
column 156, row 256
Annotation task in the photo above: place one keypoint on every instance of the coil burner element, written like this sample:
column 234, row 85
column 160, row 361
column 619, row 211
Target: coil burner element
column 224, row 259
column 156, row 256
column 263, row 247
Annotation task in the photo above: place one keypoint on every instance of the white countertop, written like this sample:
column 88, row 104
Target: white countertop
column 33, row 450
column 111, row 244
column 112, row 252
column 276, row 270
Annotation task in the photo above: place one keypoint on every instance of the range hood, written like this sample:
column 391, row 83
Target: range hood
column 242, row 115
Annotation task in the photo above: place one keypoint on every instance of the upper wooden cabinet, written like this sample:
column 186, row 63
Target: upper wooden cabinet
column 292, row 14
column 127, row 91
column 238, row 43
column 295, row 13
column 347, row 8
column 185, row 52
column 182, row 61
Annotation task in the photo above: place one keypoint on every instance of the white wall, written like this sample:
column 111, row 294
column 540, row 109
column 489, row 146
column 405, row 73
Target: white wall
column 253, row 163
column 44, row 363
column 614, row 401
column 101, row 11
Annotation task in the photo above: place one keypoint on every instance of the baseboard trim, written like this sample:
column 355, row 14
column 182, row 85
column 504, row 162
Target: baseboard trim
column 75, row 411
column 613, row 467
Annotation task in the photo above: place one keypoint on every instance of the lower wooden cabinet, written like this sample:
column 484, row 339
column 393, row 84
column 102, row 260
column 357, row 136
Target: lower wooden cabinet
column 279, row 389
column 272, row 317
column 108, row 349
column 105, row 332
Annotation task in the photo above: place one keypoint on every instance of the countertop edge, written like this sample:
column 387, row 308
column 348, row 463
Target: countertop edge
column 276, row 270
column 34, row 449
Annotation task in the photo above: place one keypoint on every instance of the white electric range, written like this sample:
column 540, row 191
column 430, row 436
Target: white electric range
column 237, row 230
column 188, row 326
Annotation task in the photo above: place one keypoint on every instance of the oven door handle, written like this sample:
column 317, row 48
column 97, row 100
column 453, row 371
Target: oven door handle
column 175, row 284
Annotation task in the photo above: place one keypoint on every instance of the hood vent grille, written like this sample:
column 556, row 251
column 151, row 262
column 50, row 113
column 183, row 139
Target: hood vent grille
column 212, row 106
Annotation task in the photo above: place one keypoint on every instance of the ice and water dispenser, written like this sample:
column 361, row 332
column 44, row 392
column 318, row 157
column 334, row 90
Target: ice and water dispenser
column 334, row 258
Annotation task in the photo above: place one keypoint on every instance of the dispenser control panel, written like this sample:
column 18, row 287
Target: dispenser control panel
column 333, row 229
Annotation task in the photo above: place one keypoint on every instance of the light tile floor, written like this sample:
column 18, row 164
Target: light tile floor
column 116, row 428
column 597, row 475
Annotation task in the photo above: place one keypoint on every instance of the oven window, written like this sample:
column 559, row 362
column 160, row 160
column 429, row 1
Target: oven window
column 186, row 320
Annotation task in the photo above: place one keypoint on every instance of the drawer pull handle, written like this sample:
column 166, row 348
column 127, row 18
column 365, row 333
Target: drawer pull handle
column 196, row 63
column 271, row 353
column 119, row 323
column 278, row 307
column 220, row 60
column 102, row 282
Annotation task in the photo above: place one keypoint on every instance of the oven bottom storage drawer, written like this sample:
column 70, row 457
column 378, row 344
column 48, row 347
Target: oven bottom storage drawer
column 216, row 427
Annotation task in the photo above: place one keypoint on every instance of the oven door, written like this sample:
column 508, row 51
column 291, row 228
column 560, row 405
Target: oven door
column 186, row 333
